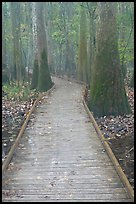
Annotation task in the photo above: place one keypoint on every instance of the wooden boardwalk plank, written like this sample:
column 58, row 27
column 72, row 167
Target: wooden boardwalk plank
column 60, row 156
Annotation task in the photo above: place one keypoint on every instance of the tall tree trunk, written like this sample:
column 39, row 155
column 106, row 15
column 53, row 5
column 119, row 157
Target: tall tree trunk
column 3, row 38
column 5, row 71
column 48, row 18
column 92, row 34
column 132, row 80
column 122, row 37
column 44, row 79
column 15, row 17
column 107, row 91
column 82, row 61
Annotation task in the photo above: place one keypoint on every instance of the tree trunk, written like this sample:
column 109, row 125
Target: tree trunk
column 107, row 92
column 92, row 34
column 15, row 17
column 44, row 79
column 82, row 64
column 132, row 81
column 5, row 71
column 122, row 37
column 34, row 82
column 3, row 38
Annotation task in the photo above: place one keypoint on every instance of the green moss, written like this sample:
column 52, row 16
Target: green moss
column 132, row 81
column 124, row 70
column 107, row 93
column 44, row 79
column 34, row 82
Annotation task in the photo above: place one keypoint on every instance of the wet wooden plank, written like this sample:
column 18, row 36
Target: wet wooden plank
column 68, row 200
column 66, row 196
column 64, row 190
column 60, row 157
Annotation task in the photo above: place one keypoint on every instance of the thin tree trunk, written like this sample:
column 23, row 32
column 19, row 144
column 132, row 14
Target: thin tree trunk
column 15, row 17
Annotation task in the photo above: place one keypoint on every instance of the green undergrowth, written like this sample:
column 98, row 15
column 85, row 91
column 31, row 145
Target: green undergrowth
column 19, row 93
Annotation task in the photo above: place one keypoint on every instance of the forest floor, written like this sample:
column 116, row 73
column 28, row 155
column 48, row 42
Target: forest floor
column 119, row 131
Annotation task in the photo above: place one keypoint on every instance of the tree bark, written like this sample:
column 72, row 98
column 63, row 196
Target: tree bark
column 15, row 18
column 3, row 38
column 107, row 91
column 82, row 64
column 44, row 79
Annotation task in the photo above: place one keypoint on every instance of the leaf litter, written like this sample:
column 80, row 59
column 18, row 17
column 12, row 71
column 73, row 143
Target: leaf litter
column 14, row 113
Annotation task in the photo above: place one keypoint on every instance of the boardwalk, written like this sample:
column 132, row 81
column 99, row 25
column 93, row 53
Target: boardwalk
column 60, row 157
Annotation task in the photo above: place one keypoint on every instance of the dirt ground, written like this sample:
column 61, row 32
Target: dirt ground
column 123, row 148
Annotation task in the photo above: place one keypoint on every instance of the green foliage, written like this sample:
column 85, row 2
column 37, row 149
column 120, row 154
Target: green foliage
column 20, row 93
column 25, row 37
column 126, row 55
column 64, row 27
column 126, row 33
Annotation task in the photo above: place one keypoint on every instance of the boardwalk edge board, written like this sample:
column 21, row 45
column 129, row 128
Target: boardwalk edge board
column 111, row 155
column 23, row 127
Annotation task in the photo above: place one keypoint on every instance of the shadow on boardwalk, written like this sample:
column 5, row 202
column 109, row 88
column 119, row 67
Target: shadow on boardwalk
column 60, row 157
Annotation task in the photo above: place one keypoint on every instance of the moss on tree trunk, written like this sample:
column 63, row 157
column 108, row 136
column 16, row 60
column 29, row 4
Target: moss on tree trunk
column 107, row 92
column 132, row 81
column 34, row 82
column 124, row 70
column 44, row 78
